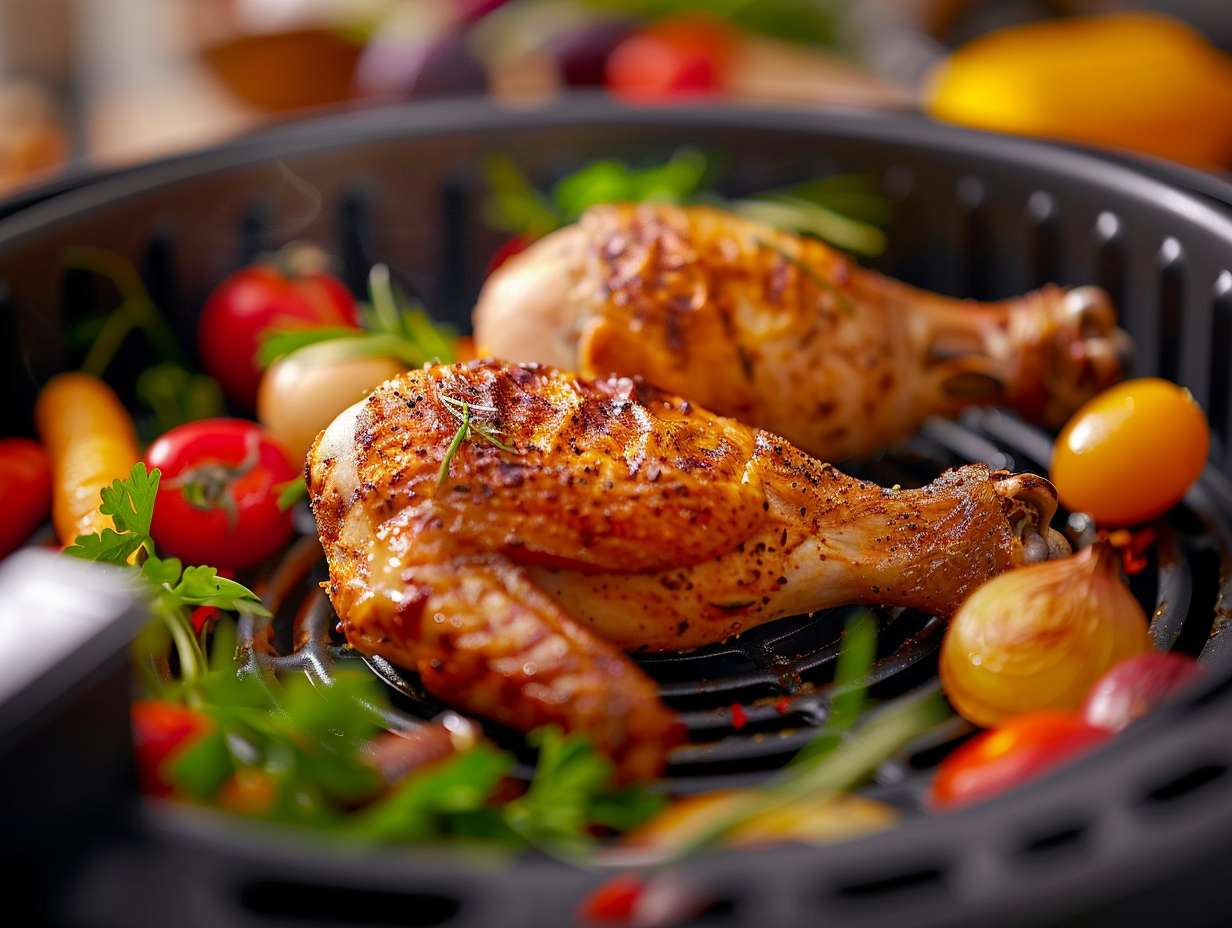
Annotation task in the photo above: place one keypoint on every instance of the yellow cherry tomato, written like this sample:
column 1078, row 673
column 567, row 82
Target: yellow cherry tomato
column 1130, row 453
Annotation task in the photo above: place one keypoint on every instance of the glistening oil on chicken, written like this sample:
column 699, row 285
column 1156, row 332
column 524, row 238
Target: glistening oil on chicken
column 784, row 332
column 623, row 518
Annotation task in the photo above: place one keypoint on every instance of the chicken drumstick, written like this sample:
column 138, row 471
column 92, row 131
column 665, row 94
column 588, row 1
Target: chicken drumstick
column 622, row 517
column 783, row 332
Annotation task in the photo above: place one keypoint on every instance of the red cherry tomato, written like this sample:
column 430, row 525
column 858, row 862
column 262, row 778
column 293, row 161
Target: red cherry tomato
column 614, row 901
column 25, row 490
column 218, row 500
column 259, row 298
column 680, row 57
column 160, row 731
column 1134, row 687
column 1005, row 757
column 513, row 247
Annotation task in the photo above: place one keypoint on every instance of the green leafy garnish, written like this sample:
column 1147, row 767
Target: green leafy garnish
column 814, row 22
column 278, row 343
column 172, row 392
column 515, row 206
column 306, row 740
column 393, row 327
column 177, row 395
column 467, row 426
column 452, row 797
column 850, row 687
column 291, row 493
column 846, row 210
column 174, row 589
column 572, row 790
column 834, row 772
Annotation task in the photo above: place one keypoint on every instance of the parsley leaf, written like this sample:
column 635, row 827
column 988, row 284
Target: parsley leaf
column 106, row 547
column 450, row 797
column 201, row 586
column 572, row 789
column 130, row 503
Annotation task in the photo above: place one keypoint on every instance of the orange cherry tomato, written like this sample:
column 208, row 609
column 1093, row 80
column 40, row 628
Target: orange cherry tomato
column 1130, row 453
column 1005, row 757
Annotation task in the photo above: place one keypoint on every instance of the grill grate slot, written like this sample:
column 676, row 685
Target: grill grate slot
column 1171, row 261
column 1187, row 785
column 315, row 903
column 1220, row 370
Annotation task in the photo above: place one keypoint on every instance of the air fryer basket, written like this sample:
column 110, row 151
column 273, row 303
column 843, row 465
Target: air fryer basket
column 1141, row 828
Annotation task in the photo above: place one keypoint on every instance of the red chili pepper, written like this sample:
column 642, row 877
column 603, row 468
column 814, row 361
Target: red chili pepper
column 739, row 717
column 783, row 706
column 614, row 901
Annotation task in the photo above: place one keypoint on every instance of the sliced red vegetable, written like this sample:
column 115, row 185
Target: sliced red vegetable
column 1005, row 757
column 160, row 731
column 218, row 500
column 1134, row 687
column 256, row 299
column 739, row 717
column 614, row 901
column 25, row 490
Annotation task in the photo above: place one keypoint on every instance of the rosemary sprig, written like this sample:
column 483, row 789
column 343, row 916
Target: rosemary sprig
column 840, row 298
column 461, row 410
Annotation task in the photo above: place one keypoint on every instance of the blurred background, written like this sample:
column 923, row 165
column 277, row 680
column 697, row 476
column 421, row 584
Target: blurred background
column 107, row 82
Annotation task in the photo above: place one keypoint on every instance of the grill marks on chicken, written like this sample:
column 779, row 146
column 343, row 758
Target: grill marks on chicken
column 785, row 333
column 625, row 517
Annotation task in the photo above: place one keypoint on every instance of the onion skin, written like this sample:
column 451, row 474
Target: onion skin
column 303, row 392
column 1037, row 638
column 1134, row 687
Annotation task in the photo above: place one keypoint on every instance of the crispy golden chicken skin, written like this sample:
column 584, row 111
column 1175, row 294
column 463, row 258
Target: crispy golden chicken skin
column 623, row 517
column 785, row 333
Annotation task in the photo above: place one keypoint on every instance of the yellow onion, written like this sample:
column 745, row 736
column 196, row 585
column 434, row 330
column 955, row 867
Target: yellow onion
column 1037, row 638
column 303, row 392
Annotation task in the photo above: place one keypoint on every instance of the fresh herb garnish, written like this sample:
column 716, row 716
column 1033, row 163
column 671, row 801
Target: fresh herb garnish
column 846, row 210
column 467, row 426
column 840, row 298
column 291, row 493
column 571, row 791
column 833, row 772
column 175, row 589
column 173, row 393
column 814, row 22
column 177, row 395
column 393, row 327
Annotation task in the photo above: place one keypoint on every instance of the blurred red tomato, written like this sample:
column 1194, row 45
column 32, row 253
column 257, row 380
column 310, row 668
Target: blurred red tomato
column 1005, row 757
column 25, row 490
column 160, row 731
column 683, row 56
column 218, row 500
column 256, row 299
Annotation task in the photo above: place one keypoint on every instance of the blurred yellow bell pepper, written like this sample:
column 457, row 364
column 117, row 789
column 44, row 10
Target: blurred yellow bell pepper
column 1137, row 81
